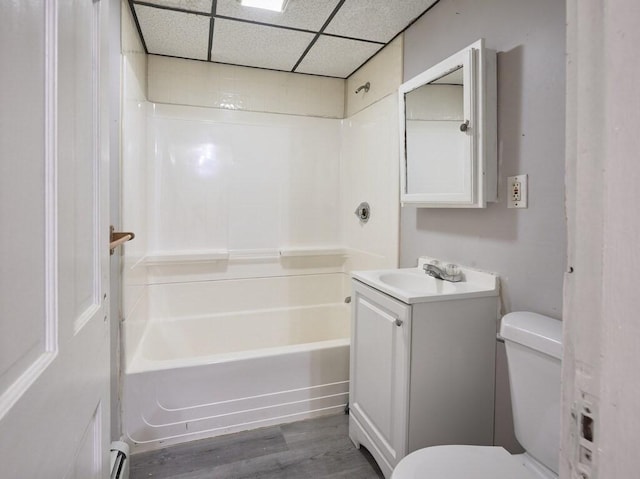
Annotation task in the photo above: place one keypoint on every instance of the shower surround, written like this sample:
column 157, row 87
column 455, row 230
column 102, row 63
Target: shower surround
column 234, row 294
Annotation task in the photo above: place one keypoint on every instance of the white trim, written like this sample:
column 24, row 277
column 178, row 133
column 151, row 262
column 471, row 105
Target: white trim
column 98, row 446
column 96, row 150
column 85, row 317
column 51, row 177
column 14, row 392
column 97, row 233
column 471, row 97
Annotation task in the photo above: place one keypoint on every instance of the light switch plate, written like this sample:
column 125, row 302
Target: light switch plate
column 517, row 191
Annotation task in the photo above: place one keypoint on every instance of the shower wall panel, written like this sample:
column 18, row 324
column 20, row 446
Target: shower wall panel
column 370, row 172
column 134, row 165
column 242, row 182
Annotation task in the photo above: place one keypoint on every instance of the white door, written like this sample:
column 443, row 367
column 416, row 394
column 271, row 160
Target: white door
column 54, row 344
column 379, row 369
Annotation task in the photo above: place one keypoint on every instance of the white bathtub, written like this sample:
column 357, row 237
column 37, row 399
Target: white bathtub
column 216, row 357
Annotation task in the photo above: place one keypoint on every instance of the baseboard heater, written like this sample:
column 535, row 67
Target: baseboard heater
column 119, row 460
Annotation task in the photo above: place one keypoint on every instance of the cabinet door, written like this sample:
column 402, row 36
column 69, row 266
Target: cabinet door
column 379, row 368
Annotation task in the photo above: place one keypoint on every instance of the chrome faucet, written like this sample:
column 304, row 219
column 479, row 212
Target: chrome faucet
column 449, row 273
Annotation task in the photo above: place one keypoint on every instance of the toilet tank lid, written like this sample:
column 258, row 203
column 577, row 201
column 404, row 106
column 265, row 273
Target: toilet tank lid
column 535, row 331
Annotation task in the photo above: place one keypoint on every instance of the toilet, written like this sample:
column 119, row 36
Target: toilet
column 534, row 350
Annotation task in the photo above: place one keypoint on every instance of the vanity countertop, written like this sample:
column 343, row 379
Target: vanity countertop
column 413, row 285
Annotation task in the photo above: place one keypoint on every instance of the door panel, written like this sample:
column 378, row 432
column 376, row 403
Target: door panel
column 54, row 400
column 88, row 461
column 78, row 161
column 22, row 197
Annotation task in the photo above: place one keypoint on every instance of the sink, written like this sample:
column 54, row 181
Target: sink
column 414, row 281
column 413, row 285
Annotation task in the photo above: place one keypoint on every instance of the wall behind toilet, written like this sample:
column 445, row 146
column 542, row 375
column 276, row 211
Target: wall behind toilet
column 526, row 247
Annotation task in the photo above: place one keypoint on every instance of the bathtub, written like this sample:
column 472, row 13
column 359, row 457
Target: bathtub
column 214, row 357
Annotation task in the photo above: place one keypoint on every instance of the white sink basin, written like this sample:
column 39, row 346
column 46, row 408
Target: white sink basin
column 412, row 280
column 413, row 285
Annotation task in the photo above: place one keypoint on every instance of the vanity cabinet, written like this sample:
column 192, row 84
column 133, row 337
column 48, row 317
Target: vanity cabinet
column 449, row 133
column 421, row 374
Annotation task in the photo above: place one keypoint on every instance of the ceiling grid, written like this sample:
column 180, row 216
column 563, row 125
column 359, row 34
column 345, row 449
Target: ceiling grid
column 317, row 37
column 211, row 27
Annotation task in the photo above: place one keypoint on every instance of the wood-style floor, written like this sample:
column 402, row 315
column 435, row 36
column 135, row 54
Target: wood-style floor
column 313, row 449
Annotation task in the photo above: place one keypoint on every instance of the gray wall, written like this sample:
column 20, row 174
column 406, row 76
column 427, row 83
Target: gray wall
column 526, row 247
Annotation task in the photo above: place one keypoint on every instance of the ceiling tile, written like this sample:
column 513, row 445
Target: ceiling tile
column 376, row 20
column 191, row 5
column 242, row 43
column 304, row 14
column 337, row 57
column 173, row 33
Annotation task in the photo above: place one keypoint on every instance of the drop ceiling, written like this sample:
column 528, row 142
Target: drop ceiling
column 318, row 37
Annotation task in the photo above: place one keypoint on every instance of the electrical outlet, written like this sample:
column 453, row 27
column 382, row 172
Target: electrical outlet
column 517, row 191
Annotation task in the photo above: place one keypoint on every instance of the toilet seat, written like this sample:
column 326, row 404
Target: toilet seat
column 462, row 462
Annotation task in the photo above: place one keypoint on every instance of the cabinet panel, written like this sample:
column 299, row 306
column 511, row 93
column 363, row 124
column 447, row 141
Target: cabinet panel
column 381, row 357
column 452, row 373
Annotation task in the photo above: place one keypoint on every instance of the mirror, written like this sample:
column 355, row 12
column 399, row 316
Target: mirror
column 437, row 135
column 447, row 121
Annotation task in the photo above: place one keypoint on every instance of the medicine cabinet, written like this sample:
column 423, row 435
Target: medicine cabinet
column 448, row 132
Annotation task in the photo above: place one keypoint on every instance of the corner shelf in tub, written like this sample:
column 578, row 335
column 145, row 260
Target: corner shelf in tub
column 207, row 256
column 313, row 251
column 182, row 257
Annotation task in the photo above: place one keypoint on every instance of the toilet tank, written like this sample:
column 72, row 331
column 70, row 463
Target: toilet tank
column 534, row 350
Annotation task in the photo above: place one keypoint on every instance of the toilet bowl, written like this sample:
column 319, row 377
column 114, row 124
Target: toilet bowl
column 468, row 462
column 534, row 350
